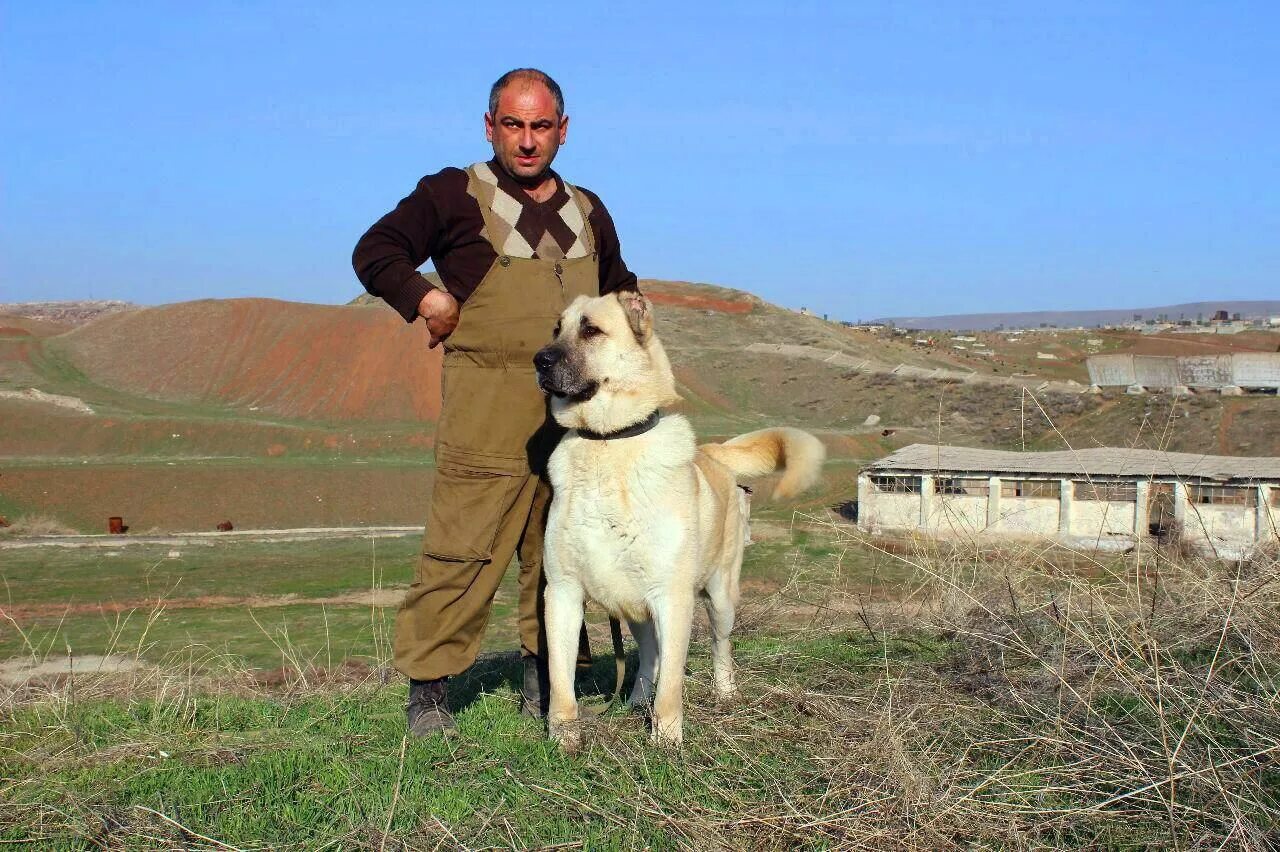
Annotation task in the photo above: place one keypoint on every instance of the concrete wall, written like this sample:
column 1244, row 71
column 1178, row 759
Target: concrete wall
column 1111, row 370
column 1229, row 525
column 1155, row 371
column 1093, row 519
column 1240, row 369
column 882, row 509
column 1232, row 530
column 1205, row 371
column 952, row 514
column 1255, row 369
column 1271, row 514
column 1226, row 531
column 1036, row 516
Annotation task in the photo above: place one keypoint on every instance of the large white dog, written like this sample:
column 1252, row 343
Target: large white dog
column 642, row 520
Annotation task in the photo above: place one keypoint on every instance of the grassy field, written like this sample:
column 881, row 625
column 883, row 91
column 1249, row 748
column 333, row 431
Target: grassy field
column 932, row 699
column 268, row 605
column 239, row 695
column 259, row 605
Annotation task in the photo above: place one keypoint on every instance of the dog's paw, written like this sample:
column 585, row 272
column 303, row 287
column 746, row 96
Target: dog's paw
column 566, row 734
column 639, row 708
column 667, row 735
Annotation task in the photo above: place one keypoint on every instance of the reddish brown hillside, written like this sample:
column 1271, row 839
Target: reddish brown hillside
column 703, row 297
column 17, row 325
column 1202, row 344
column 316, row 362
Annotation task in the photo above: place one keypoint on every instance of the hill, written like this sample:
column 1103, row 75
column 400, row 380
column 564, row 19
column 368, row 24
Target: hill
column 1082, row 318
column 362, row 363
column 312, row 362
column 64, row 313
column 275, row 413
column 261, row 366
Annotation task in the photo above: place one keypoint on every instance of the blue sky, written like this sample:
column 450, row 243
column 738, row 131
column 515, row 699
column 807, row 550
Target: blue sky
column 859, row 159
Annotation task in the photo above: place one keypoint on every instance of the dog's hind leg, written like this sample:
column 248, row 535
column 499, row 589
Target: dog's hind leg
column 673, row 617
column 564, row 621
column 647, row 638
column 721, row 607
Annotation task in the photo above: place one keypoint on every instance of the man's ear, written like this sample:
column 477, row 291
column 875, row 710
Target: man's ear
column 639, row 313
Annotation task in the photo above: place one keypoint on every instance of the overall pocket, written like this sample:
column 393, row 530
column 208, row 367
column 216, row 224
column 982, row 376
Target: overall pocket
column 467, row 506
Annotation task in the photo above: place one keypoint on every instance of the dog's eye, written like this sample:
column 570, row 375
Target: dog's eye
column 556, row 333
column 590, row 331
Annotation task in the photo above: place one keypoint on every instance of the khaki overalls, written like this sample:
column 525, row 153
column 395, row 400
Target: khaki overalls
column 492, row 443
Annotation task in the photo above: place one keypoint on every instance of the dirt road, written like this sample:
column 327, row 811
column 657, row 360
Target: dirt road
column 209, row 539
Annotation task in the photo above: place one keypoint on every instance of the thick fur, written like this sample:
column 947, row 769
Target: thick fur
column 644, row 525
column 761, row 453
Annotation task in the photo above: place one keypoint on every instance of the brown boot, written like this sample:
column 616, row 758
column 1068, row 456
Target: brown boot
column 428, row 709
column 535, row 691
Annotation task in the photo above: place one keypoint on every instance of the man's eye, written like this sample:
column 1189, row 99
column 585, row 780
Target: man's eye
column 590, row 331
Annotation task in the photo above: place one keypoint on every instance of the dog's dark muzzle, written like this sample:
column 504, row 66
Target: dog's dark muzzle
column 557, row 377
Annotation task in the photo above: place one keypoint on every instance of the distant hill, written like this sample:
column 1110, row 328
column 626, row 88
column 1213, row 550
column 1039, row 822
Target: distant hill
column 65, row 313
column 362, row 363
column 1087, row 319
column 739, row 361
column 315, row 362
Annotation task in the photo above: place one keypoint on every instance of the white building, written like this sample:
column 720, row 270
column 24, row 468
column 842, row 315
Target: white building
column 1104, row 498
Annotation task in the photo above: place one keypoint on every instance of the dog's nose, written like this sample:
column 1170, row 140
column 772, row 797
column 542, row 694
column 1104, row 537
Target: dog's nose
column 546, row 358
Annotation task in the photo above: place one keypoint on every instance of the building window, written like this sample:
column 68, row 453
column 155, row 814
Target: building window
column 1050, row 488
column 896, row 484
column 1223, row 495
column 1111, row 492
column 1275, row 496
column 962, row 486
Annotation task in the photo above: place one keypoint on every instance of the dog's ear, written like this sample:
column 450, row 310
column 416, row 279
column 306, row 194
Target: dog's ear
column 639, row 311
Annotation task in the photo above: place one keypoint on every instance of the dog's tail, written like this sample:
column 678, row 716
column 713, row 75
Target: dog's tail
column 797, row 453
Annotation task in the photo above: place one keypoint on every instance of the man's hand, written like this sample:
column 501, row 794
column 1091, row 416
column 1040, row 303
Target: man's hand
column 440, row 310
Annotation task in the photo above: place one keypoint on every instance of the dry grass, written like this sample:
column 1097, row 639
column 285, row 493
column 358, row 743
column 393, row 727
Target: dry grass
column 35, row 525
column 1139, row 693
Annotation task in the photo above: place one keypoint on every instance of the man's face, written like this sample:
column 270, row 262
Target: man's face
column 527, row 132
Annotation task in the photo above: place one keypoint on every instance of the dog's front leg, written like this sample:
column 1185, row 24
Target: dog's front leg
column 673, row 616
column 564, row 621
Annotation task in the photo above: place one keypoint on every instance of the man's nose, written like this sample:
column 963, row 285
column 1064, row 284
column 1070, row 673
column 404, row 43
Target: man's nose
column 547, row 358
column 526, row 139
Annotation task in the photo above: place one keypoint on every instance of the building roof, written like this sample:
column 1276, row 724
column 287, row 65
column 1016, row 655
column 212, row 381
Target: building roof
column 1095, row 461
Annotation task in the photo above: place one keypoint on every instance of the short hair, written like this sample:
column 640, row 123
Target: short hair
column 525, row 74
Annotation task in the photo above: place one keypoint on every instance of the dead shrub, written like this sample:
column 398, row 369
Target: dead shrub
column 26, row 526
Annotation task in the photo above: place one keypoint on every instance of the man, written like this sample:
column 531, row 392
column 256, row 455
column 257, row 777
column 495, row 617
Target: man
column 513, row 244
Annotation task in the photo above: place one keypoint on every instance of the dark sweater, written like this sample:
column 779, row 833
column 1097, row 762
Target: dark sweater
column 440, row 221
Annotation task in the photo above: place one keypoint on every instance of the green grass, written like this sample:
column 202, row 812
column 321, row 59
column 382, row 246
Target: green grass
column 261, row 638
column 268, row 592
column 327, row 768
column 251, row 628
column 135, row 572
column 821, row 752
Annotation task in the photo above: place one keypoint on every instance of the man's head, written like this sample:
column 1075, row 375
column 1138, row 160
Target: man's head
column 526, row 123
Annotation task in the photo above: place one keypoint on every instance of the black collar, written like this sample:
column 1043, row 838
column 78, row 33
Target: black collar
column 626, row 432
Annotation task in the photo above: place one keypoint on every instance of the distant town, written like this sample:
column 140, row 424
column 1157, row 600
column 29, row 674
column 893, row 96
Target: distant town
column 1218, row 321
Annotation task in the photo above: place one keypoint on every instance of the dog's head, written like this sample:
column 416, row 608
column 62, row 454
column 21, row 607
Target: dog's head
column 605, row 369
